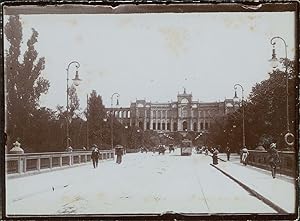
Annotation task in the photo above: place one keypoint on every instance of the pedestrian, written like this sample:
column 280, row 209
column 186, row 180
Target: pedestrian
column 274, row 158
column 228, row 153
column 215, row 153
column 245, row 154
column 95, row 157
column 119, row 153
column 206, row 151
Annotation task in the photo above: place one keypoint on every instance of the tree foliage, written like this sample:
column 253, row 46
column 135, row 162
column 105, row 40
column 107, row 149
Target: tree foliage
column 265, row 113
column 96, row 117
column 25, row 84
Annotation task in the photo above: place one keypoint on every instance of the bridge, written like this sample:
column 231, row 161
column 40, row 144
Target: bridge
column 144, row 183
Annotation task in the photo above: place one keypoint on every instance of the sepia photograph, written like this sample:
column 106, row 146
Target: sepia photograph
column 151, row 110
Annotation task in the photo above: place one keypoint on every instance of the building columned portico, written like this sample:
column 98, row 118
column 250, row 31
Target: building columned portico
column 181, row 115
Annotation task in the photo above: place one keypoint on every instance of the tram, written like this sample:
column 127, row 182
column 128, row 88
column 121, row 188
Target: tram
column 186, row 147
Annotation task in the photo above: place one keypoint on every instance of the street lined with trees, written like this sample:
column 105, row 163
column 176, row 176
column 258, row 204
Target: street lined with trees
column 43, row 129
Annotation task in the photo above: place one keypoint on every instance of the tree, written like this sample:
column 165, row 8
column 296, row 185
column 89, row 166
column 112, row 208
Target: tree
column 74, row 101
column 265, row 114
column 25, row 84
column 95, row 117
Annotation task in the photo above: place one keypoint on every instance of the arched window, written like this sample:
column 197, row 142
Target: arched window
column 141, row 125
column 175, row 127
column 184, row 125
column 201, row 126
column 195, row 126
column 184, row 112
column 128, row 114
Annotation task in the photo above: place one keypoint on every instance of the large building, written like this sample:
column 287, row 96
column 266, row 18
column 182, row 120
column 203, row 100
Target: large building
column 181, row 115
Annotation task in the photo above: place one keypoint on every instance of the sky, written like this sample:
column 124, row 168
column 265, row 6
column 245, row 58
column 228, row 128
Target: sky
column 153, row 56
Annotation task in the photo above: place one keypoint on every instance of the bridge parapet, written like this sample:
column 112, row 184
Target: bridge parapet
column 261, row 159
column 32, row 163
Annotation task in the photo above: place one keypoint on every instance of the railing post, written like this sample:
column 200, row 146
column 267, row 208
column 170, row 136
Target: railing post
column 60, row 161
column 20, row 165
column 50, row 161
column 24, row 164
column 38, row 164
column 79, row 159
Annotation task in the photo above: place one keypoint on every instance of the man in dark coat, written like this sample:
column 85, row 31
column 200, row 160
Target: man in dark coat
column 119, row 153
column 95, row 157
column 228, row 153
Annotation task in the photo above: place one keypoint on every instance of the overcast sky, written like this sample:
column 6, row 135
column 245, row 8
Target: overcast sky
column 153, row 56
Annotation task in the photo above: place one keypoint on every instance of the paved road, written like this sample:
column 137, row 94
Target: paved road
column 143, row 183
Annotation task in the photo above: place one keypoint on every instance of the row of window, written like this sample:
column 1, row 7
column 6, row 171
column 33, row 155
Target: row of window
column 160, row 114
column 183, row 113
column 167, row 126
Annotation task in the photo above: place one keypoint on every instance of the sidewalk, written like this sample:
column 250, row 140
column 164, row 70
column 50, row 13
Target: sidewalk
column 280, row 191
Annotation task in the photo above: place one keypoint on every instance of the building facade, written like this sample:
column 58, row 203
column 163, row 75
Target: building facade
column 181, row 115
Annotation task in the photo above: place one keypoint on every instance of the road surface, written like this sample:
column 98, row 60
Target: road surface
column 143, row 183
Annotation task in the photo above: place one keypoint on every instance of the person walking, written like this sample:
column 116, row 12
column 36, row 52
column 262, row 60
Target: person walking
column 245, row 154
column 95, row 157
column 119, row 153
column 274, row 158
column 228, row 153
column 215, row 153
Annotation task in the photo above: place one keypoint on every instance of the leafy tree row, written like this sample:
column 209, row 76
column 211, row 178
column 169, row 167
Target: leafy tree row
column 265, row 114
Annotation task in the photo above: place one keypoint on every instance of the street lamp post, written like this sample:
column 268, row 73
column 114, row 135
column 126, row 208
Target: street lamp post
column 243, row 109
column 274, row 63
column 76, row 82
column 112, row 118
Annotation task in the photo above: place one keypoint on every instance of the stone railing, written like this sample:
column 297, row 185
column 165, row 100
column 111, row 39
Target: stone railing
column 287, row 165
column 32, row 163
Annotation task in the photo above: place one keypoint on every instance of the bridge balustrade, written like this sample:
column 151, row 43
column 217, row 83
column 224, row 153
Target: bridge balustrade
column 31, row 163
column 261, row 159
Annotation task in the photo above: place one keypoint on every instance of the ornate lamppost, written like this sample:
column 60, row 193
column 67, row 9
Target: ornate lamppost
column 274, row 62
column 236, row 99
column 76, row 82
column 112, row 118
